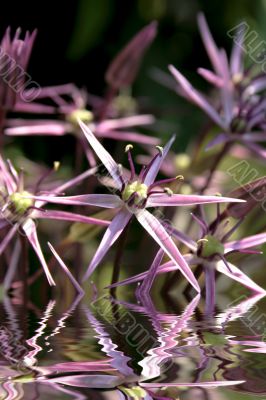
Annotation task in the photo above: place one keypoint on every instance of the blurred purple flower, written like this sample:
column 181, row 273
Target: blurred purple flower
column 70, row 104
column 240, row 112
column 134, row 196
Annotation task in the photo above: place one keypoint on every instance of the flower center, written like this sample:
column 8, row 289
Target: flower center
column 85, row 116
column 139, row 189
column 19, row 203
column 210, row 246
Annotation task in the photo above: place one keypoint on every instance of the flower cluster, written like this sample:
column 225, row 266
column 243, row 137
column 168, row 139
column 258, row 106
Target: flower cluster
column 160, row 205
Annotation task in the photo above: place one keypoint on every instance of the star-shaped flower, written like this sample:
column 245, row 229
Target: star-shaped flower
column 134, row 195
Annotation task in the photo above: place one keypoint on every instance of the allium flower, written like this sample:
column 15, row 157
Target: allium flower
column 14, row 58
column 133, row 197
column 19, row 212
column 71, row 103
column 210, row 251
column 69, row 111
column 240, row 112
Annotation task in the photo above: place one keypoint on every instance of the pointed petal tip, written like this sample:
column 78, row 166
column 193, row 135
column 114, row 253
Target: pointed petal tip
column 66, row 270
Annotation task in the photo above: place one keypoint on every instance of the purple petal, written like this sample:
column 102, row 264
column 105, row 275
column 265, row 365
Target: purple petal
column 75, row 181
column 108, row 161
column 210, row 77
column 210, row 384
column 238, row 276
column 227, row 89
column 209, row 43
column 146, row 285
column 55, row 129
column 196, row 97
column 126, row 122
column 111, row 235
column 155, row 168
column 68, row 216
column 260, row 151
column 98, row 200
column 183, row 238
column 8, row 238
column 241, row 244
column 219, row 139
column 157, row 200
column 34, row 108
column 30, row 231
column 236, row 60
column 252, row 136
column 129, row 137
column 66, row 270
column 7, row 177
column 167, row 267
column 159, row 234
column 123, row 69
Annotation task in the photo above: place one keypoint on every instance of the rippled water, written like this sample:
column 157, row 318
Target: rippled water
column 110, row 349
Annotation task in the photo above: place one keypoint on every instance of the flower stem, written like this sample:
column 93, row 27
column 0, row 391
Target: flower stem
column 215, row 165
column 172, row 279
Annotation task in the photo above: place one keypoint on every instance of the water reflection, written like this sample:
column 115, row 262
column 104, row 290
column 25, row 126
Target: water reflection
column 111, row 349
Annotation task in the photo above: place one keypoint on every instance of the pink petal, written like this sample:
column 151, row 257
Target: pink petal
column 253, row 136
column 126, row 122
column 51, row 91
column 155, row 168
column 9, row 236
column 227, row 89
column 98, row 200
column 76, row 180
column 159, row 234
column 236, row 60
column 30, row 230
column 210, row 77
column 261, row 151
column 157, row 200
column 68, row 216
column 55, row 129
column 250, row 241
column 238, row 276
column 66, row 270
column 196, row 97
column 111, row 235
column 129, row 137
column 146, row 285
column 183, row 238
column 7, row 177
column 107, row 160
column 210, row 384
column 35, row 108
column 167, row 267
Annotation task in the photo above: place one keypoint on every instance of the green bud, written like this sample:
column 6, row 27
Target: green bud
column 210, row 246
column 20, row 203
